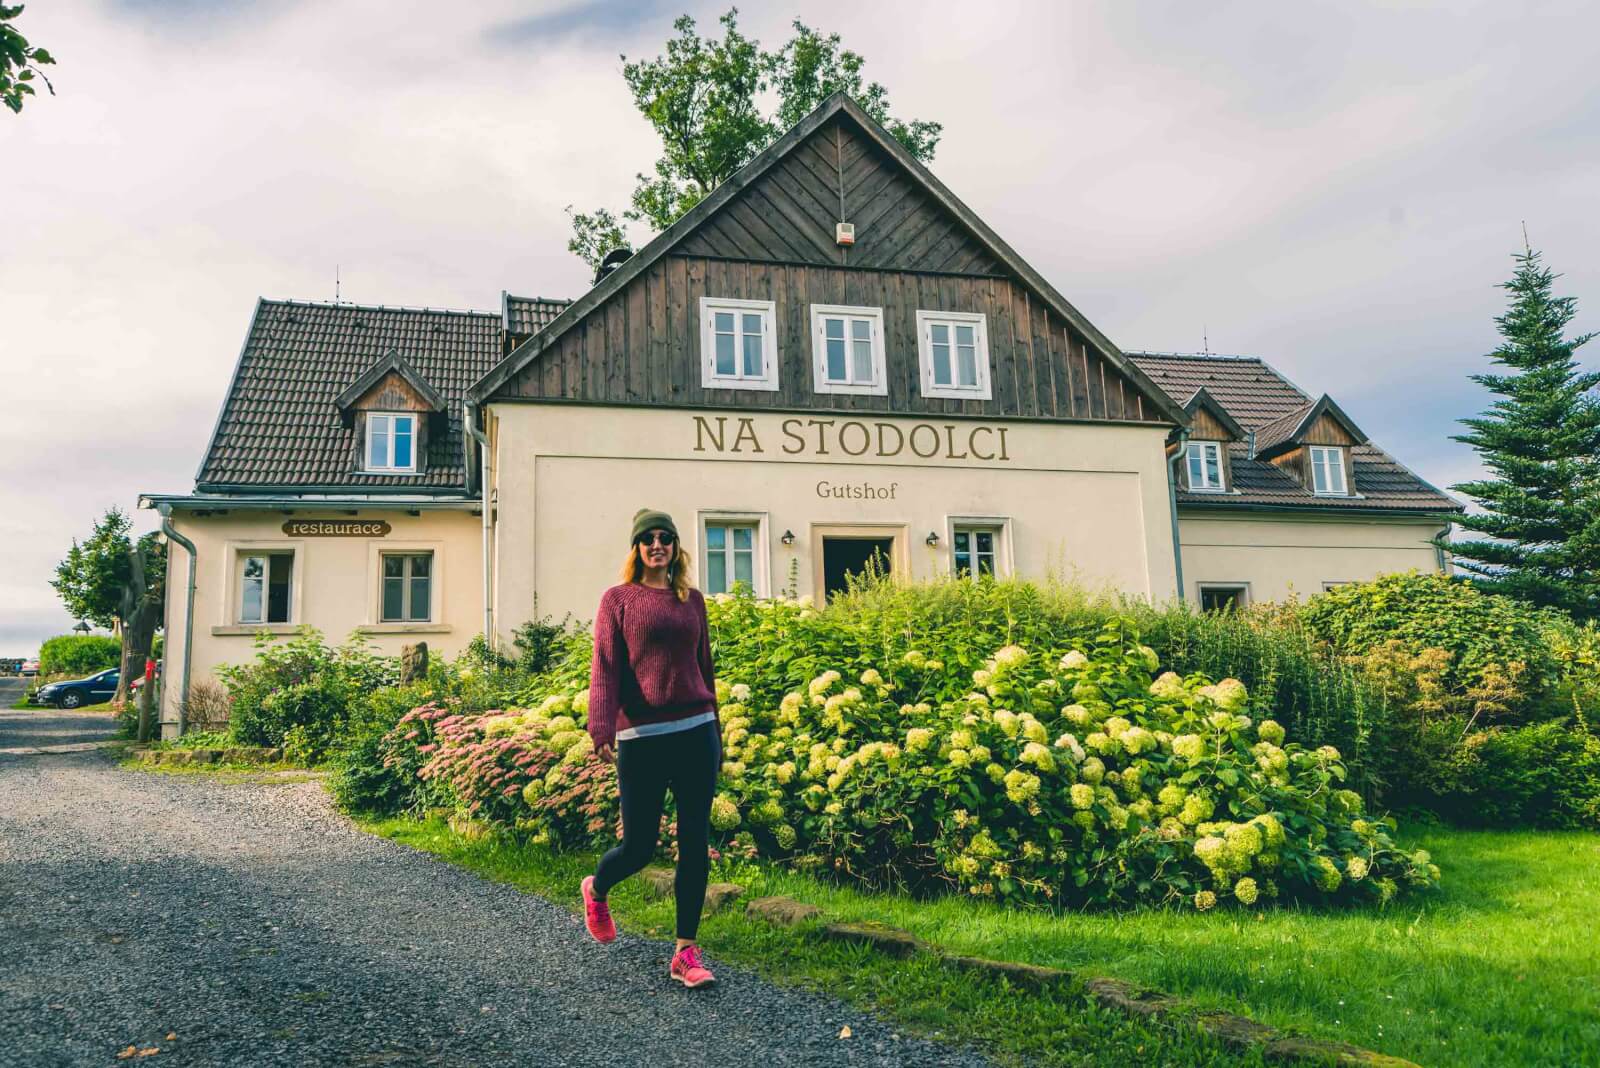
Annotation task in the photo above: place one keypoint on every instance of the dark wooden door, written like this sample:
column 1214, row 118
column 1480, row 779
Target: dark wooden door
column 844, row 557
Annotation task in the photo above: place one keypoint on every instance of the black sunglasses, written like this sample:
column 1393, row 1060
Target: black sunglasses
column 663, row 537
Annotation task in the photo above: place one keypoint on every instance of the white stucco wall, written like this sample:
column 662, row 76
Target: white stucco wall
column 335, row 586
column 1281, row 556
column 1083, row 501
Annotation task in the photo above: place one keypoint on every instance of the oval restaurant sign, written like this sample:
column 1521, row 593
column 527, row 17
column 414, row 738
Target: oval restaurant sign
column 336, row 528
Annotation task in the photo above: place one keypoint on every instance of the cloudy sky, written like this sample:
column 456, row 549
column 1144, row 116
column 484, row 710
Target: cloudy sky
column 1336, row 187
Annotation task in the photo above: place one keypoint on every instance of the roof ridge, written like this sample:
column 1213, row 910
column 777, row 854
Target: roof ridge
column 544, row 300
column 351, row 305
column 1213, row 356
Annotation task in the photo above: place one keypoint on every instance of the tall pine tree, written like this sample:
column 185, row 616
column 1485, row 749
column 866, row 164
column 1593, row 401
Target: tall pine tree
column 1540, row 517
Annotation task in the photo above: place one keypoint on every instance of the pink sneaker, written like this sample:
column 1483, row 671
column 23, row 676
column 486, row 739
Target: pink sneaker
column 689, row 968
column 597, row 915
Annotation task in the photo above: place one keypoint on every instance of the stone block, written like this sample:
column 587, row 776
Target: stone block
column 1237, row 1032
column 1034, row 975
column 1291, row 1049
column 1125, row 997
column 719, row 895
column 884, row 939
column 657, row 881
column 783, row 911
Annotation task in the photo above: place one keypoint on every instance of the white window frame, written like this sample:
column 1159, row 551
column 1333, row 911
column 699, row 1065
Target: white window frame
column 377, row 549
column 1312, row 454
column 999, row 524
column 709, row 378
column 241, row 557
column 984, row 389
column 820, row 313
column 1222, row 471
column 1241, row 590
column 405, row 587
column 761, row 557
column 366, row 444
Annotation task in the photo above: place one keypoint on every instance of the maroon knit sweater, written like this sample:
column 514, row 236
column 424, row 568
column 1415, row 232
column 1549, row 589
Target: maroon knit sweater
column 652, row 660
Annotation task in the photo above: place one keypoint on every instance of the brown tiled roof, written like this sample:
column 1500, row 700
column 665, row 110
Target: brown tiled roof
column 1277, row 431
column 1264, row 401
column 279, row 426
column 526, row 316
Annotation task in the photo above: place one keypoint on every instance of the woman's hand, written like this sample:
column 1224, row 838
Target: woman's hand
column 607, row 753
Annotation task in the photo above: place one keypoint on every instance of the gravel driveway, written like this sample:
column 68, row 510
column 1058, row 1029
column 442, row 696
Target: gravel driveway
column 253, row 924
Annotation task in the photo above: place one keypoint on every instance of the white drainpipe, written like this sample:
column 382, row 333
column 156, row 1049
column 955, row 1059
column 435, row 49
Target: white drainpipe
column 1172, row 500
column 188, row 620
column 469, row 422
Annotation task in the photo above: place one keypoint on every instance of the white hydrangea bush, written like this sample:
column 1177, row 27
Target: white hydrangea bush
column 1044, row 777
column 1061, row 778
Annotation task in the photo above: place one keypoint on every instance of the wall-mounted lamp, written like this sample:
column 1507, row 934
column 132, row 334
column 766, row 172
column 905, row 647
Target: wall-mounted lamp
column 933, row 538
column 788, row 537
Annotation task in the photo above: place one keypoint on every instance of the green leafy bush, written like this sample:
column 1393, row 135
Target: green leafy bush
column 76, row 655
column 1543, row 775
column 901, row 750
column 301, row 692
column 1491, row 640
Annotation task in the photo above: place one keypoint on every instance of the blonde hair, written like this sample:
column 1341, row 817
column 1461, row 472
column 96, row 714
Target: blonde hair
column 677, row 571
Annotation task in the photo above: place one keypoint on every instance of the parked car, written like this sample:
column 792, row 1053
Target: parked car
column 29, row 667
column 77, row 692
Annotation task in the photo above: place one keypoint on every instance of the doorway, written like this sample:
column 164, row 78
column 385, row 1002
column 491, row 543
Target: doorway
column 854, row 555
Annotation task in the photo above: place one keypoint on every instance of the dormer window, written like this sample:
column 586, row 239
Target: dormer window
column 1205, row 466
column 1327, row 471
column 391, row 442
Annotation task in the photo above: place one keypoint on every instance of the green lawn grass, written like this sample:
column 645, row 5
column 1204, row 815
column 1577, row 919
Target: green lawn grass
column 1015, row 1026
column 1499, row 967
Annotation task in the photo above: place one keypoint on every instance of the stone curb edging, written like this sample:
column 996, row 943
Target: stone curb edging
column 233, row 755
column 1237, row 1032
column 65, row 747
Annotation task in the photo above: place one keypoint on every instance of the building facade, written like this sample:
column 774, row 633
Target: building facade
column 829, row 364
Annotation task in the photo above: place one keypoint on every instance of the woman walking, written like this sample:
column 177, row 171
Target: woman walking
column 653, row 709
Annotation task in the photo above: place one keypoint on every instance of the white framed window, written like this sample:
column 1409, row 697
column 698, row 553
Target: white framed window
column 391, row 442
column 1327, row 471
column 847, row 350
column 1205, row 466
column 1224, row 596
column 407, row 593
column 738, row 344
column 953, row 349
column 979, row 546
column 265, row 582
column 733, row 550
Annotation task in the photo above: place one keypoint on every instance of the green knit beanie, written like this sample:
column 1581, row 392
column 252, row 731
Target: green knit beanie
column 645, row 520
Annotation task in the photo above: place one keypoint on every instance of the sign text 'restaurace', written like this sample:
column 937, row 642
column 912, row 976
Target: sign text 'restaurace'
column 337, row 528
column 854, row 437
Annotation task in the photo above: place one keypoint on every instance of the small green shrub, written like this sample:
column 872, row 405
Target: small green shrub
column 76, row 655
column 301, row 686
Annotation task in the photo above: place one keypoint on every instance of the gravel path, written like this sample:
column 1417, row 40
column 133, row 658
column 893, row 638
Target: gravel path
column 254, row 924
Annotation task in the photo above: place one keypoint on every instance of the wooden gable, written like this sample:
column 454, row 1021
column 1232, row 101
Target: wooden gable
column 1326, row 430
column 392, row 393
column 768, row 234
column 790, row 214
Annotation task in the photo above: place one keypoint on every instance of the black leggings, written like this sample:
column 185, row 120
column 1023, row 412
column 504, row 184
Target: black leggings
column 688, row 762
